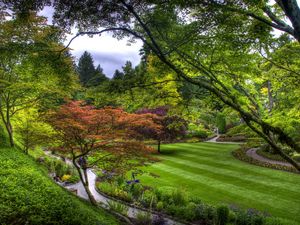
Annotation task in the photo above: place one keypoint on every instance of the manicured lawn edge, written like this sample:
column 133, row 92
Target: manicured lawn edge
column 241, row 155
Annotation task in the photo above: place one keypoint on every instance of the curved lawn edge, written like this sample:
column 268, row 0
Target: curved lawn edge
column 241, row 154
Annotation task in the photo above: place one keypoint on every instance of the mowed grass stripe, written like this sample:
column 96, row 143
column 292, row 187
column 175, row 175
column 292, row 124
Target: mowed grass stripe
column 265, row 201
column 230, row 176
column 231, row 171
column 216, row 196
column 221, row 158
column 210, row 171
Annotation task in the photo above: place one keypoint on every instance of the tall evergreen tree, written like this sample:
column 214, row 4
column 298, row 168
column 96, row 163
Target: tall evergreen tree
column 88, row 75
column 118, row 75
column 128, row 70
column 98, row 77
column 85, row 68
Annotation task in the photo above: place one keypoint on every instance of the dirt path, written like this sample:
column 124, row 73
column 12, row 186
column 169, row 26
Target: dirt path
column 252, row 153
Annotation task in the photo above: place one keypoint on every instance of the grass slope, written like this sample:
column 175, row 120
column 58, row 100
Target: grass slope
column 209, row 171
column 28, row 196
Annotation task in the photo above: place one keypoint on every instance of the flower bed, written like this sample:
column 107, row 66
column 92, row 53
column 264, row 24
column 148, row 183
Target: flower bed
column 177, row 204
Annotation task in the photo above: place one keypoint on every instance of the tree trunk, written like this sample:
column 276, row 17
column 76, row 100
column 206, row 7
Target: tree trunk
column 6, row 120
column 158, row 146
column 292, row 11
column 85, row 182
column 10, row 133
column 86, row 187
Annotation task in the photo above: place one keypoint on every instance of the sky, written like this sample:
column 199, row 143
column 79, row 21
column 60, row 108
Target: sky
column 107, row 51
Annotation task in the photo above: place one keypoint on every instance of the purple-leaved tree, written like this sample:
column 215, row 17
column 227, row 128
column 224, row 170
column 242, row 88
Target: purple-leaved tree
column 172, row 126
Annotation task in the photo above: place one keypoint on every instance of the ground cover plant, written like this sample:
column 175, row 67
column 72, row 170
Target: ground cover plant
column 29, row 196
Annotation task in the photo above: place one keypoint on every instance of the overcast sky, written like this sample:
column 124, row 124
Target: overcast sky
column 107, row 51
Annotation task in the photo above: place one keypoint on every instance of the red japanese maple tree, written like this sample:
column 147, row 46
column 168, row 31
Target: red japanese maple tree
column 84, row 130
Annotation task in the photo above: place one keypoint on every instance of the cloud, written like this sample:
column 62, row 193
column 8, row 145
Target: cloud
column 110, row 61
column 47, row 12
column 107, row 51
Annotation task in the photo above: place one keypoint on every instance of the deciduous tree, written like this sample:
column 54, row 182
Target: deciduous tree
column 31, row 66
column 172, row 126
column 85, row 131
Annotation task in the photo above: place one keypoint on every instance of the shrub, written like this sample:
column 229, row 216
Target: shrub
column 179, row 197
column 194, row 199
column 231, row 217
column 164, row 194
column 136, row 190
column 232, row 139
column 222, row 215
column 204, row 212
column 190, row 211
column 118, row 207
column 258, row 220
column 160, row 206
column 241, row 130
column 221, row 123
column 60, row 168
column 123, row 195
column 176, row 210
column 105, row 187
column 197, row 131
column 296, row 157
column 143, row 218
column 74, row 179
column 149, row 198
column 243, row 218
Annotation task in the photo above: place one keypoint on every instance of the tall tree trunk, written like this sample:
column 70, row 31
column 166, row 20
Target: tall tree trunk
column 158, row 146
column 10, row 135
column 84, row 180
column 8, row 128
column 86, row 187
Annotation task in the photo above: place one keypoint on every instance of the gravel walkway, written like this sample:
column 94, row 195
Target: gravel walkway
column 252, row 153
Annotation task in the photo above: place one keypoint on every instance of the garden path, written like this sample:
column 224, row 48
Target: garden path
column 132, row 212
column 214, row 140
column 252, row 153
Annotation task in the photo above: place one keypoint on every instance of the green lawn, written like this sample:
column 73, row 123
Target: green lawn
column 210, row 172
column 29, row 196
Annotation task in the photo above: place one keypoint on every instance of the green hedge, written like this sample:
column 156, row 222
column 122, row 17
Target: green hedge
column 29, row 196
